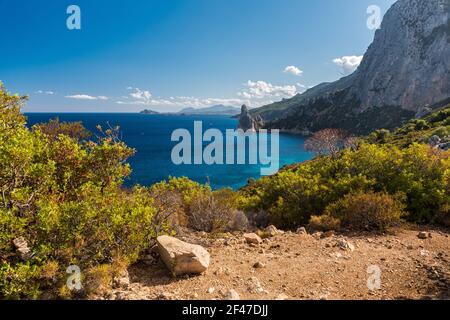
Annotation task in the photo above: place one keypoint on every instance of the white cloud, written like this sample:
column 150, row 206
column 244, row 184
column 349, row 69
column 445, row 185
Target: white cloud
column 265, row 90
column 348, row 64
column 49, row 93
column 255, row 93
column 293, row 70
column 301, row 87
column 142, row 96
column 86, row 97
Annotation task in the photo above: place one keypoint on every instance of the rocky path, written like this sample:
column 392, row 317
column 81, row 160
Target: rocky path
column 303, row 266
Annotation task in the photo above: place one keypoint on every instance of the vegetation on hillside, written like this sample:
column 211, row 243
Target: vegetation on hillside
column 419, row 173
column 416, row 130
column 62, row 202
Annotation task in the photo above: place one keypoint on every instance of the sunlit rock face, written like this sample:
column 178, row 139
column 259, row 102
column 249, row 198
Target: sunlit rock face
column 408, row 63
column 405, row 69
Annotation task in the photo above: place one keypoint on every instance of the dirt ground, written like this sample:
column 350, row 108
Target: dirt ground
column 303, row 266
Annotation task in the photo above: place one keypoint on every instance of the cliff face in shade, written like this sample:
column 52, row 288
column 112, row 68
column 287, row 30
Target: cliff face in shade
column 406, row 68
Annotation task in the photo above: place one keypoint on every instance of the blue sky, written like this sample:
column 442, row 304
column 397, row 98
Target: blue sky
column 169, row 54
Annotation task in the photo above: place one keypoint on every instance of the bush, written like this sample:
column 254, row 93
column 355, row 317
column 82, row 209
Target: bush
column 367, row 211
column 240, row 221
column 293, row 195
column 19, row 281
column 441, row 115
column 324, row 223
column 54, row 128
column 443, row 216
column 441, row 132
column 64, row 197
column 213, row 212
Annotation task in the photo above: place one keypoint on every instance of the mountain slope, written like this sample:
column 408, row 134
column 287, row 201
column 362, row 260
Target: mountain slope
column 405, row 68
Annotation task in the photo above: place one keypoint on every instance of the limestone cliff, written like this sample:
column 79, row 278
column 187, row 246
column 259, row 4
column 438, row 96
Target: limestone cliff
column 406, row 68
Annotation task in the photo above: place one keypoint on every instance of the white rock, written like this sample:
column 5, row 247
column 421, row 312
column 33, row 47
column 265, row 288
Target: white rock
column 21, row 246
column 232, row 295
column 182, row 257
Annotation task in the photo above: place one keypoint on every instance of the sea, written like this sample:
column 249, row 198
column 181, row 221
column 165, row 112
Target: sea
column 150, row 136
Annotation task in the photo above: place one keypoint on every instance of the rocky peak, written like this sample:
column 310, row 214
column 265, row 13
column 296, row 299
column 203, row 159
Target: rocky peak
column 247, row 121
column 405, row 69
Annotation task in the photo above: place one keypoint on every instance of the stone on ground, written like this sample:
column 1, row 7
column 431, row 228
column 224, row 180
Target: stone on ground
column 252, row 238
column 272, row 230
column 21, row 246
column 182, row 257
column 232, row 295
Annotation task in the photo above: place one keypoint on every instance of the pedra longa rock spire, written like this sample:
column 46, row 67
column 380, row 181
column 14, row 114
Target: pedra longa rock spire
column 248, row 122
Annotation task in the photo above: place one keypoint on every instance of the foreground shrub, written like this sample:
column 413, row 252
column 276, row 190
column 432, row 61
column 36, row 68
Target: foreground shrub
column 174, row 198
column 63, row 196
column 367, row 211
column 214, row 212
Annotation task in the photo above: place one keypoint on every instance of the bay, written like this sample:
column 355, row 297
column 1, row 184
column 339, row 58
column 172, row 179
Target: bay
column 150, row 135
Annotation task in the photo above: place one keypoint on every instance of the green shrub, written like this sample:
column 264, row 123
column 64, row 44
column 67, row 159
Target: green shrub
column 367, row 211
column 440, row 115
column 64, row 197
column 380, row 136
column 19, row 281
column 293, row 195
column 441, row 132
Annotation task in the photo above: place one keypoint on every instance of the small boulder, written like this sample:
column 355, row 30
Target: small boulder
column 424, row 235
column 254, row 286
column 232, row 295
column 434, row 140
column 252, row 238
column 302, row 230
column 182, row 257
column 259, row 265
column 272, row 230
column 345, row 245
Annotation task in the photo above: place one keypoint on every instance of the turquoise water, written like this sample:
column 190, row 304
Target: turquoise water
column 150, row 135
